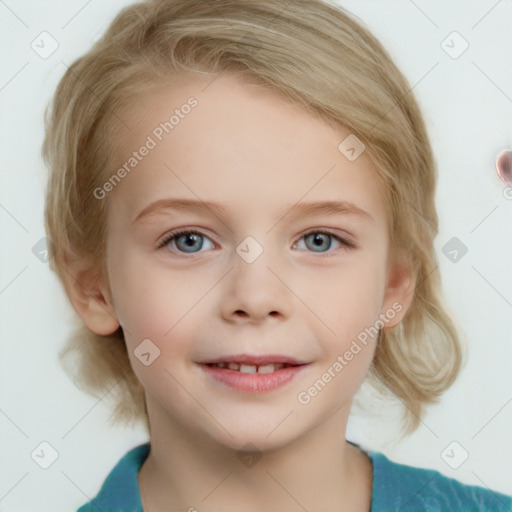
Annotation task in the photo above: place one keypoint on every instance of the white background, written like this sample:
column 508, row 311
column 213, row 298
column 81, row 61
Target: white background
column 467, row 103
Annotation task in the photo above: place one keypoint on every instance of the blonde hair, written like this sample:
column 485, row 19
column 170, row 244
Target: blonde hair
column 315, row 54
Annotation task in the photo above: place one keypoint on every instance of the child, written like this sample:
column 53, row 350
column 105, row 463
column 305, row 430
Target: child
column 258, row 131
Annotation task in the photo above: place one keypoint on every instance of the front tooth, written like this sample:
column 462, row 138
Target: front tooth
column 269, row 368
column 233, row 366
column 248, row 368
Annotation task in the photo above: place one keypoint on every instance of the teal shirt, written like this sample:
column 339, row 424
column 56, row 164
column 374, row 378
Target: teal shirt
column 396, row 488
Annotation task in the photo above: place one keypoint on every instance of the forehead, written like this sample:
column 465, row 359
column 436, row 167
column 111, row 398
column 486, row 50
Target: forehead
column 236, row 143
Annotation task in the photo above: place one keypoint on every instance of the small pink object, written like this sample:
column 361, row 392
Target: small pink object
column 504, row 166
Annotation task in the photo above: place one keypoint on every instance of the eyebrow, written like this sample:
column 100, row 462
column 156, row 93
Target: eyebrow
column 298, row 209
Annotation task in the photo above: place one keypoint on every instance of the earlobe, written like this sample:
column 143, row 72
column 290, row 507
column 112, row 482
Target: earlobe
column 90, row 299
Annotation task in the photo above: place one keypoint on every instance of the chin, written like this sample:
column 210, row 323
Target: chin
column 253, row 444
column 256, row 437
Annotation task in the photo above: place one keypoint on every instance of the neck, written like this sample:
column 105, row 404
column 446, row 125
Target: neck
column 318, row 471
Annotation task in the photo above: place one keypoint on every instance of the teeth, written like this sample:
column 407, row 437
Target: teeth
column 269, row 368
column 250, row 368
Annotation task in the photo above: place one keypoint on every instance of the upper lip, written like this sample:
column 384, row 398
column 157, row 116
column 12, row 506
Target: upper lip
column 255, row 360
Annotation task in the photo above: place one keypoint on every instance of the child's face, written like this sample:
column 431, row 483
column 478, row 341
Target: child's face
column 203, row 298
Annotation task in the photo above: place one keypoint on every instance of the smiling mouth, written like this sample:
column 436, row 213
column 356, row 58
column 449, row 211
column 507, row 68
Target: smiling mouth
column 252, row 363
column 251, row 373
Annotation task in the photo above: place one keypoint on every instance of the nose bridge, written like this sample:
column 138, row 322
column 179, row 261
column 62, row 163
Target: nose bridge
column 255, row 291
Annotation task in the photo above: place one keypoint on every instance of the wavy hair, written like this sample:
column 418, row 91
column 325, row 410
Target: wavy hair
column 311, row 52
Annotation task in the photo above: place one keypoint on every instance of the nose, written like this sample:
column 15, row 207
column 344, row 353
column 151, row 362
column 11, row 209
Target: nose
column 255, row 290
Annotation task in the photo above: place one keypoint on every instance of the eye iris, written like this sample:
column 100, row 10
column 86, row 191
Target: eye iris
column 190, row 240
column 318, row 241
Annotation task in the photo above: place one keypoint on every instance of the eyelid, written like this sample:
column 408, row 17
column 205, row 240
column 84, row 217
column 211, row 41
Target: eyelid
column 345, row 242
column 165, row 239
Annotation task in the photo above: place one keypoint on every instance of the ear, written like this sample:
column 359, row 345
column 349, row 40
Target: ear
column 89, row 297
column 399, row 292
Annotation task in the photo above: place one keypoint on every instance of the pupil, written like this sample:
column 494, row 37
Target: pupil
column 190, row 241
column 321, row 240
column 190, row 238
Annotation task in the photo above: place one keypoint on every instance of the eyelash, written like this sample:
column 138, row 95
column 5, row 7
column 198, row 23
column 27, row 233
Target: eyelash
column 347, row 245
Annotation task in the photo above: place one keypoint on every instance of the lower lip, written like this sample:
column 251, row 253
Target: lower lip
column 253, row 382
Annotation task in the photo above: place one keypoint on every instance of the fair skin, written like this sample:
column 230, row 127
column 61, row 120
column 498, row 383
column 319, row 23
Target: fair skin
column 257, row 155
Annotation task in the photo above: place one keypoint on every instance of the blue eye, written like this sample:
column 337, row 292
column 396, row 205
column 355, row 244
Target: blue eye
column 191, row 242
column 320, row 240
column 185, row 239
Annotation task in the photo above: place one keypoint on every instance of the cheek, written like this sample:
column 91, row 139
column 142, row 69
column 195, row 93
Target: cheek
column 152, row 299
column 160, row 306
column 338, row 378
column 348, row 296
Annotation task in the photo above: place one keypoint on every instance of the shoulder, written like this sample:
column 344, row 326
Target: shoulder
column 120, row 490
column 399, row 487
